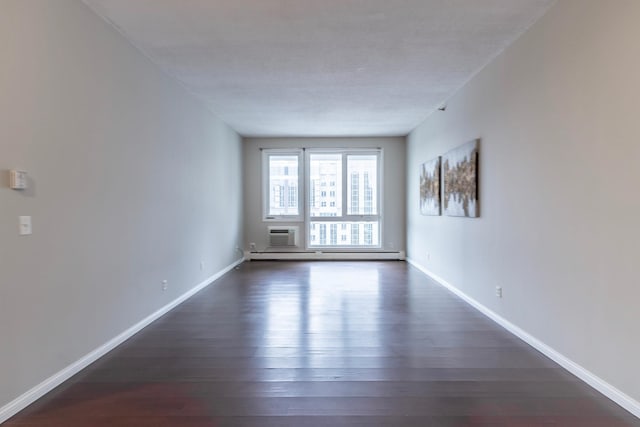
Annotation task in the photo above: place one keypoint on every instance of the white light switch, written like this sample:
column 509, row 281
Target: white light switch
column 25, row 225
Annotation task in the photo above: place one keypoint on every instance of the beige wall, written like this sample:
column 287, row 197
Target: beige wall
column 393, row 221
column 130, row 186
column 557, row 114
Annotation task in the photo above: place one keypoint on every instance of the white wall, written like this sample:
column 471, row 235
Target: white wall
column 129, row 186
column 558, row 117
column 393, row 185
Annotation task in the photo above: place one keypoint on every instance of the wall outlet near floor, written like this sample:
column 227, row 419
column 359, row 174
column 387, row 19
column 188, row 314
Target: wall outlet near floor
column 201, row 265
column 499, row 291
column 165, row 285
column 24, row 225
column 252, row 247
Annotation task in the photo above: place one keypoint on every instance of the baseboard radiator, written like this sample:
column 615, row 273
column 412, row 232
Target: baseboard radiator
column 319, row 255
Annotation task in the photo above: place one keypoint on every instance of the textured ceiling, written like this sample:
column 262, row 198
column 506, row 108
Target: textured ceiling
column 321, row 67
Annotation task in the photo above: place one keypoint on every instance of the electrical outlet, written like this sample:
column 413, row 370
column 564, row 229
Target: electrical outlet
column 499, row 291
column 252, row 247
column 165, row 285
column 24, row 225
column 201, row 265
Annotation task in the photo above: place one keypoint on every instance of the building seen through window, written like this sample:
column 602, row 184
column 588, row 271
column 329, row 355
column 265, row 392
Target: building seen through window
column 326, row 199
column 283, row 185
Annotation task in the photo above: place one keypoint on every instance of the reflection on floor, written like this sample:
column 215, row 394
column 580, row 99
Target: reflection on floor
column 309, row 344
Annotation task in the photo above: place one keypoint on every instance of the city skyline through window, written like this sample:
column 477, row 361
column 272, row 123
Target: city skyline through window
column 357, row 223
column 283, row 186
column 336, row 194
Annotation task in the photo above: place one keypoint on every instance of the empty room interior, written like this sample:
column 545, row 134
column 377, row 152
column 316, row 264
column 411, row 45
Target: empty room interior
column 319, row 213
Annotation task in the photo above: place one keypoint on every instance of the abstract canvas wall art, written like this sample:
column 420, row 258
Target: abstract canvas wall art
column 430, row 187
column 460, row 181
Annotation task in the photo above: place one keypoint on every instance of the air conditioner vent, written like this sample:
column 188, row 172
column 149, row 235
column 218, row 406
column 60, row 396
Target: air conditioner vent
column 283, row 237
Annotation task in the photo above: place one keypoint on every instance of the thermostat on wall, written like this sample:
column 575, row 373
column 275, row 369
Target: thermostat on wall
column 18, row 180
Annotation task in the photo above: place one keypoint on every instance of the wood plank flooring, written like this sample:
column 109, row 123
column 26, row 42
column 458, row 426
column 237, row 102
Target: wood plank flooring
column 309, row 344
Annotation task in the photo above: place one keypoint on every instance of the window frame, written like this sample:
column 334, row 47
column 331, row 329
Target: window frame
column 346, row 217
column 267, row 153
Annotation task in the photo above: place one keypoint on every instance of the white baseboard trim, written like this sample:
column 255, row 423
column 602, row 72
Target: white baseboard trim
column 26, row 399
column 319, row 255
column 588, row 377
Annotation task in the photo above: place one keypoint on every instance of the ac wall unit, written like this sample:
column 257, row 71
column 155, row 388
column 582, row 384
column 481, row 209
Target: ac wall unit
column 283, row 237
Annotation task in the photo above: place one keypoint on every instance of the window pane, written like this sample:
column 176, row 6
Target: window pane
column 362, row 184
column 283, row 185
column 345, row 233
column 325, row 187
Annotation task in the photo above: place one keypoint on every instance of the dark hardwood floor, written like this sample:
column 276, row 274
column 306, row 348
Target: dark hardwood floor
column 324, row 344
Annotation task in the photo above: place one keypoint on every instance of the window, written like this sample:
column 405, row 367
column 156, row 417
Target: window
column 335, row 192
column 282, row 184
column 323, row 168
column 354, row 198
column 363, row 184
